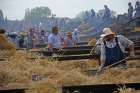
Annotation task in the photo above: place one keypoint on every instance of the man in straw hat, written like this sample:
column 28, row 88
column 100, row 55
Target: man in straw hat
column 69, row 41
column 113, row 48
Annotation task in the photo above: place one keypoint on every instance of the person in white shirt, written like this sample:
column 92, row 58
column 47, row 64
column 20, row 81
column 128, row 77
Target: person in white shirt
column 113, row 47
column 75, row 35
column 54, row 40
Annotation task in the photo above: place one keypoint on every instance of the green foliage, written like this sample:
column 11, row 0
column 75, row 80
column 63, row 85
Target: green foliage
column 37, row 13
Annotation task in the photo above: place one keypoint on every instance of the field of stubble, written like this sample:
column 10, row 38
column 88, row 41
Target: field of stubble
column 19, row 71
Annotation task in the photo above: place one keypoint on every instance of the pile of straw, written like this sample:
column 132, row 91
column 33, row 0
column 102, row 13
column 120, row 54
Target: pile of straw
column 18, row 71
column 92, row 42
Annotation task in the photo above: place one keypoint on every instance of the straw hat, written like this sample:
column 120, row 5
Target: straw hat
column 106, row 31
column 69, row 34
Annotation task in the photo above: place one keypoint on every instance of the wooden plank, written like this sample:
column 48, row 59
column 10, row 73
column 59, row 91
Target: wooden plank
column 66, row 51
column 40, row 45
column 99, row 88
column 12, row 90
column 22, row 49
column 85, row 51
column 86, row 56
column 89, row 47
column 74, row 51
column 79, row 44
column 137, row 43
column 135, row 48
column 75, row 57
column 44, row 45
column 80, row 47
column 82, row 43
column 86, row 43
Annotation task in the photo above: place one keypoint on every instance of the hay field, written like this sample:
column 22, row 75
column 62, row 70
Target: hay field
column 18, row 72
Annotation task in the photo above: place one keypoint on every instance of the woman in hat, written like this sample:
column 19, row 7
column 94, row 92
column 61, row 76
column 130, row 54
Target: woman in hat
column 69, row 41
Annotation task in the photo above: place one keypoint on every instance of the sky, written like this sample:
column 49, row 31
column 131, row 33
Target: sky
column 15, row 9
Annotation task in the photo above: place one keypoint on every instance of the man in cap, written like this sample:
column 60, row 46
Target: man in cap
column 113, row 48
column 69, row 41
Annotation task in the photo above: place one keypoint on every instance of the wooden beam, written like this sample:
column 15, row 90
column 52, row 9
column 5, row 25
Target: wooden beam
column 85, row 56
column 99, row 88
column 12, row 90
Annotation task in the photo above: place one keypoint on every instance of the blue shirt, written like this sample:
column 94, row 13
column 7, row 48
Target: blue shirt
column 69, row 42
column 55, row 40
column 75, row 36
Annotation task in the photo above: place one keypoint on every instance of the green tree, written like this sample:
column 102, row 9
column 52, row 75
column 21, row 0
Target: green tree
column 37, row 13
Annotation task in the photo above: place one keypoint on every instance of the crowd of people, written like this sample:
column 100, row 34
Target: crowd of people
column 106, row 15
column 57, row 41
column 28, row 39
column 34, row 38
column 110, row 46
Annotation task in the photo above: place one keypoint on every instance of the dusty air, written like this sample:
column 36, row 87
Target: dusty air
column 97, row 51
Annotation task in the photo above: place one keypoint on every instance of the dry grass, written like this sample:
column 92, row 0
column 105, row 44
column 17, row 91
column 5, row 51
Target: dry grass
column 19, row 70
column 129, row 90
column 92, row 42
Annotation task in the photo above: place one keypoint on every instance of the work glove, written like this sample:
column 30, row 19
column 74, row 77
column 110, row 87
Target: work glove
column 132, row 54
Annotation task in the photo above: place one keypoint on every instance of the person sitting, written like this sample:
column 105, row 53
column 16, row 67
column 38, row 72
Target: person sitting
column 7, row 48
column 113, row 48
column 69, row 41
